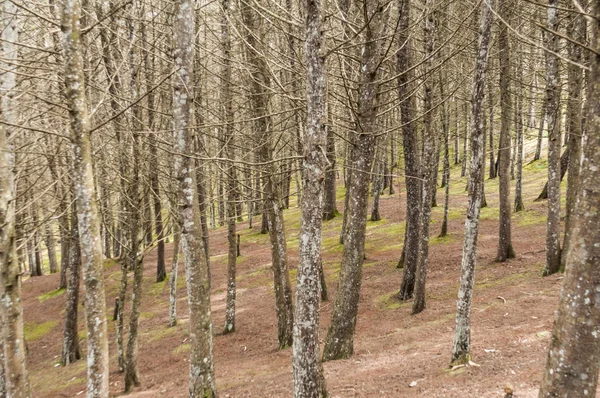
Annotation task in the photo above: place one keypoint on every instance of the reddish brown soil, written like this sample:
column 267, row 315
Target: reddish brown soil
column 511, row 317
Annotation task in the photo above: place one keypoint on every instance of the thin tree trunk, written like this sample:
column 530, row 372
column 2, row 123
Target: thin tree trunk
column 411, row 158
column 202, row 373
column 89, row 227
column 577, row 30
column 340, row 337
column 330, row 208
column 51, row 247
column 427, row 164
column 518, row 163
column 493, row 169
column 554, row 144
column 272, row 212
column 173, row 279
column 15, row 381
column 462, row 334
column 227, row 116
column 70, row 349
column 505, row 249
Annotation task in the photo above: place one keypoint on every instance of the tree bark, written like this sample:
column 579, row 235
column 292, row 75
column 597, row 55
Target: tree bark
column 70, row 349
column 462, row 333
column 427, row 164
column 411, row 158
column 227, row 117
column 505, row 249
column 16, row 381
column 554, row 144
column 574, row 357
column 309, row 381
column 89, row 227
column 340, row 337
column 260, row 83
column 202, row 374
column 577, row 30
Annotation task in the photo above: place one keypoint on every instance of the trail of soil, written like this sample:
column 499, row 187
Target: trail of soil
column 396, row 354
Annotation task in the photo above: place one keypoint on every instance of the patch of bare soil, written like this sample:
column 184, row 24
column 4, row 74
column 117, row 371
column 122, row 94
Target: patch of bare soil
column 396, row 354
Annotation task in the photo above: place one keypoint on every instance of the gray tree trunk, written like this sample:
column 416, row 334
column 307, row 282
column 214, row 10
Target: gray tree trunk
column 89, row 227
column 462, row 333
column 307, row 369
column 405, row 72
column 70, row 349
column 272, row 211
column 505, row 249
column 15, row 381
column 202, row 373
column 340, row 337
column 554, row 144
column 577, row 30
column 227, row 117
column 428, row 162
column 574, row 358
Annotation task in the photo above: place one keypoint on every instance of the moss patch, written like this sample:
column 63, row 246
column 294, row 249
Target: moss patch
column 530, row 217
column 162, row 332
column 51, row 295
column 390, row 301
column 182, row 348
column 110, row 262
column 35, row 331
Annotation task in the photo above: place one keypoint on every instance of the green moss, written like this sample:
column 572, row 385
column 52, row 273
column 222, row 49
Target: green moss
column 162, row 332
column 511, row 279
column 390, row 301
column 440, row 240
column 35, row 331
column 182, row 348
column 50, row 295
column 530, row 217
column 146, row 315
column 537, row 165
column 156, row 289
column 332, row 244
column 110, row 262
column 490, row 213
column 82, row 334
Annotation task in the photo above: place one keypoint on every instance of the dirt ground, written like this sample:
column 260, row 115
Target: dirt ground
column 396, row 354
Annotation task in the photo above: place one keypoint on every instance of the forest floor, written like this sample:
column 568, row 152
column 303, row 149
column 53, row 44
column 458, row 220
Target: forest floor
column 396, row 353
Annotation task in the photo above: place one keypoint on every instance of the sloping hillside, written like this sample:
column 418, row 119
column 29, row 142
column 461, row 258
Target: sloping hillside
column 396, row 354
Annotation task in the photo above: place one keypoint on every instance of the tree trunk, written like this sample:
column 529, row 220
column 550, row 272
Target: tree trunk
column 309, row 381
column 411, row 158
column 330, row 208
column 574, row 358
column 376, row 186
column 462, row 334
column 518, row 163
column 89, row 227
column 173, row 280
column 70, row 349
column 505, row 249
column 272, row 212
column 493, row 170
column 202, row 373
column 51, row 247
column 577, row 30
column 340, row 337
column 427, row 164
column 554, row 144
column 227, row 117
column 15, row 378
